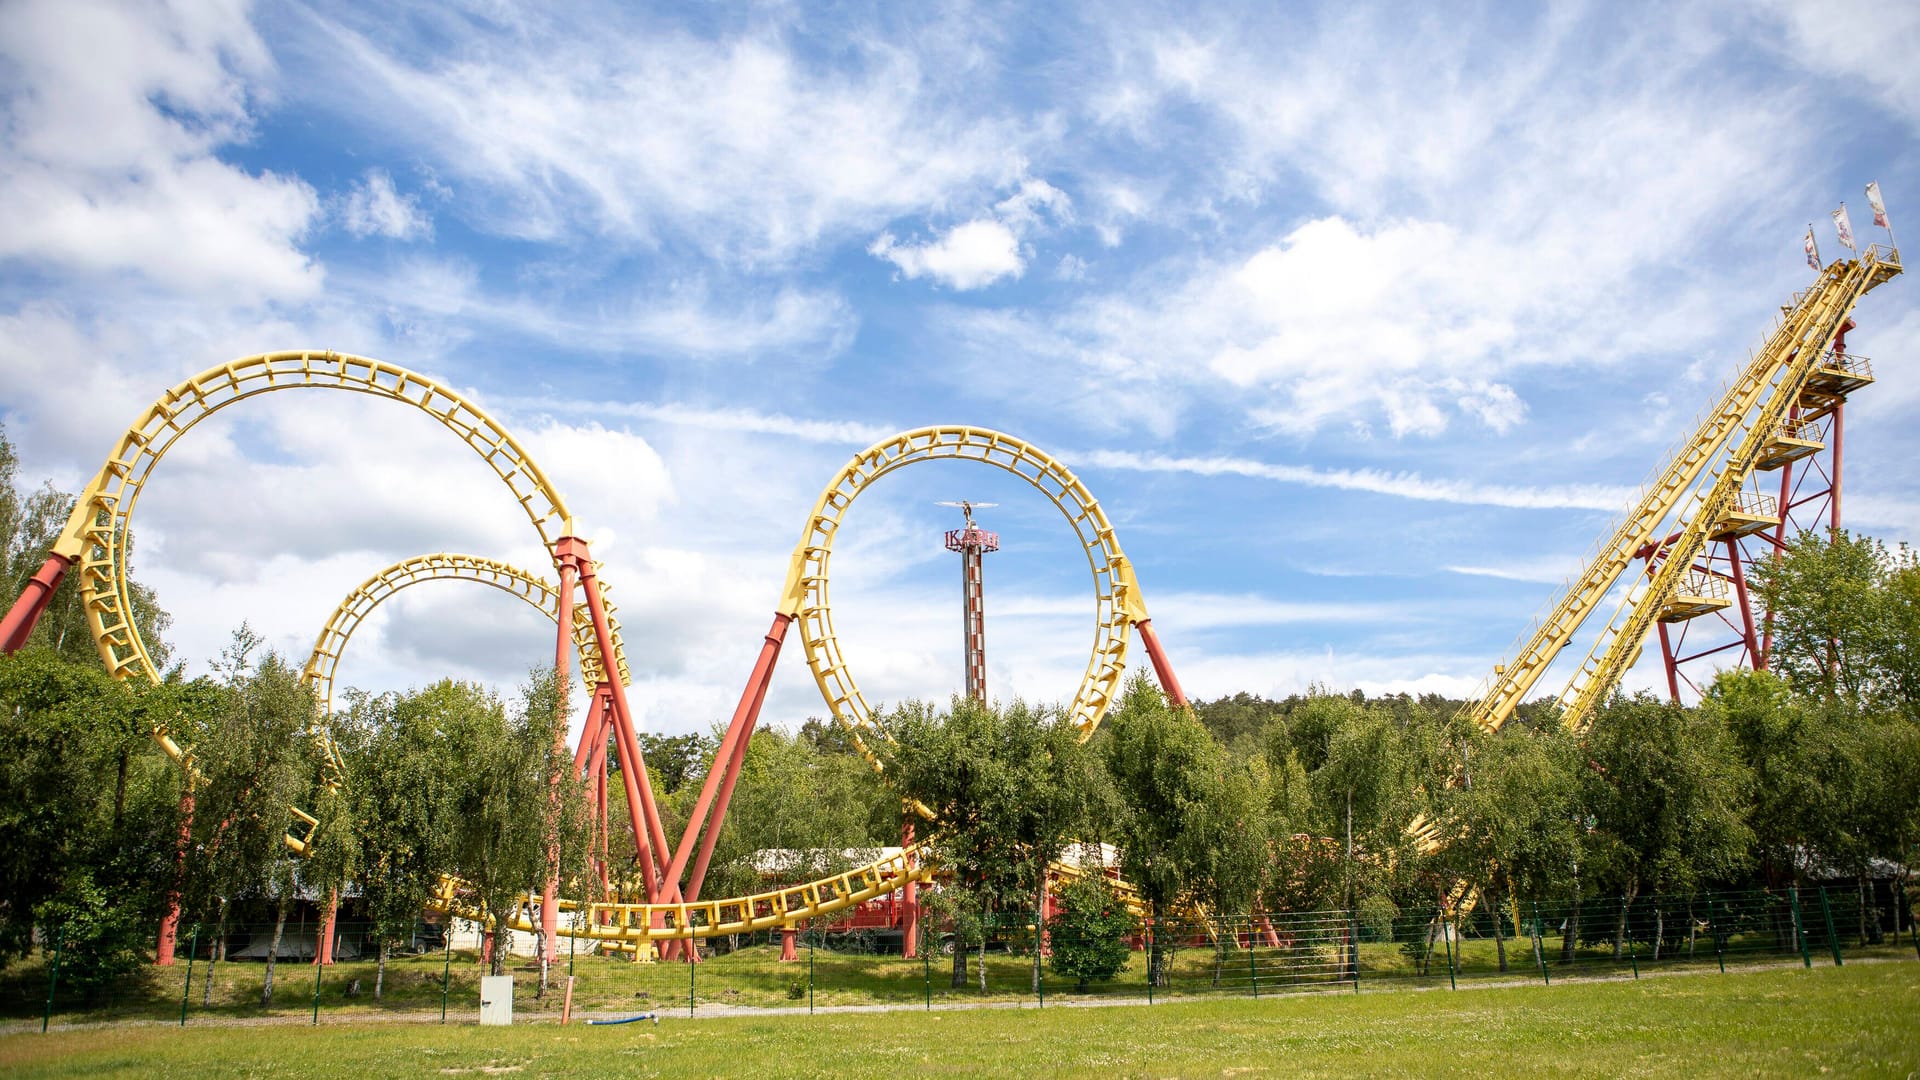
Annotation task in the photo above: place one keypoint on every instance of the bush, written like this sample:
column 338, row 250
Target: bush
column 1089, row 935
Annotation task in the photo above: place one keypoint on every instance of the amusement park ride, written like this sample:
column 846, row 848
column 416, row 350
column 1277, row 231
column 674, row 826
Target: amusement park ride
column 1680, row 558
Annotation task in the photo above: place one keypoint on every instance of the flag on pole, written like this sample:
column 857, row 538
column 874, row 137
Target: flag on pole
column 1879, row 207
column 1844, row 226
column 1813, row 250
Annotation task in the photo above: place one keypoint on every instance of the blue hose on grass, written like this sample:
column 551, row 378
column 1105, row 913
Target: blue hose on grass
column 628, row 1020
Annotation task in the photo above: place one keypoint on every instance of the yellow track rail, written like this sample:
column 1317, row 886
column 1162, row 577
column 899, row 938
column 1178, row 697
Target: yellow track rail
column 1722, row 449
column 103, row 515
column 443, row 566
column 1117, row 601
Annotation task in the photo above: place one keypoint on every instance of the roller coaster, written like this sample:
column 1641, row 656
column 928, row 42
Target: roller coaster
column 1777, row 411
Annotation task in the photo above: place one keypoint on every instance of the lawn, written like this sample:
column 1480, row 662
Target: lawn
column 1862, row 1019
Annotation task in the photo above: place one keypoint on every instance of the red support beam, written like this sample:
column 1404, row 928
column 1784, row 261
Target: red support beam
column 726, row 761
column 32, row 603
column 1162, row 669
column 563, row 682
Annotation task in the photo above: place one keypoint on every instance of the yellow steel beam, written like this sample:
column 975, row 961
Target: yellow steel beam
column 1117, row 600
column 1799, row 339
column 95, row 534
column 1795, row 350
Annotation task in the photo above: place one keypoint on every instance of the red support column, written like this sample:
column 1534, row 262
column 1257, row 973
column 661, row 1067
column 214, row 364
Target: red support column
column 788, row 953
column 323, row 946
column 32, row 603
column 757, row 689
column 645, row 816
column 1162, row 669
column 726, row 761
column 170, row 923
column 1834, row 438
column 563, row 680
column 910, row 929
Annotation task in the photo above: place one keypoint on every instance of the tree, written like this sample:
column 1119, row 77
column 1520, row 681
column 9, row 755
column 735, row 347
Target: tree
column 1667, row 791
column 1514, row 822
column 1844, row 614
column 1166, row 773
column 1088, row 932
column 1008, row 788
column 251, row 758
column 501, row 829
column 88, row 814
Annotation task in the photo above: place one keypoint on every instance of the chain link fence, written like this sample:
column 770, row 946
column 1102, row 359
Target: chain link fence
column 436, row 977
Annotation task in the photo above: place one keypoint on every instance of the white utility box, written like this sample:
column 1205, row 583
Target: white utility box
column 496, row 1000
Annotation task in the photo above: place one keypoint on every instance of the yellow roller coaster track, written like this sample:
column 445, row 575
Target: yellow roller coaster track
column 103, row 515
column 1117, row 601
column 1701, row 480
column 443, row 566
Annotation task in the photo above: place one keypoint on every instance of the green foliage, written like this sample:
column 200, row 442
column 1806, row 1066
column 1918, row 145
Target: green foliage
column 88, row 811
column 673, row 760
column 1088, row 933
column 1667, row 791
column 1845, row 619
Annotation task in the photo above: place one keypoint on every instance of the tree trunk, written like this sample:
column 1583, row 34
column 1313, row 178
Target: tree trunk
column 273, row 951
column 542, row 946
column 1570, row 936
column 215, row 953
column 1499, row 939
column 500, row 942
column 1659, row 929
column 1039, row 927
column 983, row 962
column 1863, row 912
column 380, row 973
column 1620, row 925
column 959, row 961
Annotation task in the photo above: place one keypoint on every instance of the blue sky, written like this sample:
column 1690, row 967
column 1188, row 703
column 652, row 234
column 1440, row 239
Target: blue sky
column 1362, row 322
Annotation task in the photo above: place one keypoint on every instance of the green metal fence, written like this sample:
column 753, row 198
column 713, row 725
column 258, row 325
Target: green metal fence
column 1259, row 954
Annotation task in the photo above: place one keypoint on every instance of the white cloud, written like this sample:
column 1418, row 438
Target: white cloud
column 641, row 133
column 115, row 115
column 374, row 208
column 1826, row 37
column 968, row 256
column 1406, row 485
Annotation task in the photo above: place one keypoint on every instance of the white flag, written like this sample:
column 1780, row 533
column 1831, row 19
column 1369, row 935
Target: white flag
column 1813, row 250
column 1844, row 227
column 1879, row 207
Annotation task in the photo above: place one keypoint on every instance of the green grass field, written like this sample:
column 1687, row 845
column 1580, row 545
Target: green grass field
column 1862, row 1019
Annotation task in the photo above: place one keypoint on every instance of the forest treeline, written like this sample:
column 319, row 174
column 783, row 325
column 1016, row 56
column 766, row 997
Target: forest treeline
column 1240, row 804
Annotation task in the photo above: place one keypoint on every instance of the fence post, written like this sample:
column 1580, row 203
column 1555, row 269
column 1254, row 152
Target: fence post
column 1151, row 973
column 811, row 936
column 1039, row 967
column 1833, row 939
column 59, row 948
column 1713, row 927
column 1446, row 935
column 1252, row 967
column 1799, row 928
column 446, row 971
column 317, row 969
column 1353, row 945
column 188, row 989
column 1539, row 946
column 1626, row 922
column 926, row 967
